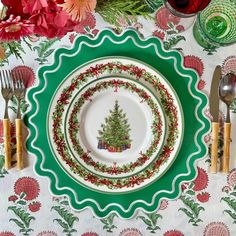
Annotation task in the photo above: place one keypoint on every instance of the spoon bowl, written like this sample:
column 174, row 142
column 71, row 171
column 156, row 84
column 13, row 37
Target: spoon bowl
column 227, row 91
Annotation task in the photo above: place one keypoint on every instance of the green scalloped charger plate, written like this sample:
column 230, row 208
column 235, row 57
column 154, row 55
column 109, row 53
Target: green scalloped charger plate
column 167, row 64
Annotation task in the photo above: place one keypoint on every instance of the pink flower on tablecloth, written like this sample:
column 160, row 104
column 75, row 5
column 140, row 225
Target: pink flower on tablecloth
column 14, row 28
column 12, row 198
column 229, row 65
column 89, row 234
column 207, row 138
column 173, row 233
column 201, row 182
column 216, row 229
column 180, row 28
column 195, row 63
column 72, row 37
column 35, row 206
column 6, row 233
column 89, row 21
column 159, row 34
column 203, row 197
column 226, row 189
column 163, row 205
column 26, row 73
column 231, row 179
column 201, row 84
column 164, row 17
column 95, row 32
column 130, row 232
column 33, row 38
column 47, row 233
column 12, row 132
column 27, row 185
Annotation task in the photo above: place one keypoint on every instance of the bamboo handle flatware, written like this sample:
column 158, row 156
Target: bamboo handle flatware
column 19, row 92
column 7, row 93
column 12, row 84
column 7, row 143
column 214, row 110
column 214, row 148
column 226, row 150
column 227, row 93
column 19, row 148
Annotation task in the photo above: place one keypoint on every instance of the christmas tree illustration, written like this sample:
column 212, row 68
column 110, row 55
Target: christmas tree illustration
column 114, row 134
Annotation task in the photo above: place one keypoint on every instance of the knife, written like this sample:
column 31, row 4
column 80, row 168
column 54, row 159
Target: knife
column 214, row 101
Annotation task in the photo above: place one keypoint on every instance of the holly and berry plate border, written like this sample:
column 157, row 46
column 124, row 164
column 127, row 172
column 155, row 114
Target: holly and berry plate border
column 158, row 126
column 170, row 65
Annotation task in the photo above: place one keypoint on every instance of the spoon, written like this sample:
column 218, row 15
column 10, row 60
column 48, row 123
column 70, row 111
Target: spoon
column 227, row 93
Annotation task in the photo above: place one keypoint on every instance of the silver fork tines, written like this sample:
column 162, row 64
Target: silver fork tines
column 19, row 89
column 6, row 89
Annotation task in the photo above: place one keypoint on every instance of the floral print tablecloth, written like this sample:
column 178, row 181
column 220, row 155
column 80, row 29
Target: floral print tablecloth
column 207, row 206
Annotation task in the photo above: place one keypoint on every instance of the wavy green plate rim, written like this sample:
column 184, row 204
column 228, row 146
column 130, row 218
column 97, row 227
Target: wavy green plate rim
column 167, row 63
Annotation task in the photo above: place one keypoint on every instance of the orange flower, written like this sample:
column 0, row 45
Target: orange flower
column 78, row 9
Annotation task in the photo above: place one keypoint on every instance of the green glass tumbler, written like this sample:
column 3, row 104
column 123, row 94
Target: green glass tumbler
column 216, row 24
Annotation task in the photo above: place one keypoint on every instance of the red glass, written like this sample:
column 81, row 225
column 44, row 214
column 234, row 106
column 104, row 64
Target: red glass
column 186, row 8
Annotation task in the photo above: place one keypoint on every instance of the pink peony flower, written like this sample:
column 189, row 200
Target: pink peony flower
column 52, row 21
column 32, row 6
column 14, row 28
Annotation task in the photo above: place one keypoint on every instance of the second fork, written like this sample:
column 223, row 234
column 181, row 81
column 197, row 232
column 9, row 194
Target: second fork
column 19, row 92
column 7, row 92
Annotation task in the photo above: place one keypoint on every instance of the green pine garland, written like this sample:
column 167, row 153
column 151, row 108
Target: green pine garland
column 113, row 10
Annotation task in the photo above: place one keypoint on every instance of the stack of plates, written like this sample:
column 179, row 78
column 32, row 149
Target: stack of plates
column 117, row 123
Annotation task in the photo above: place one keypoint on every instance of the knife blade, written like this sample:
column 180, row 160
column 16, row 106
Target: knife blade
column 214, row 102
column 214, row 99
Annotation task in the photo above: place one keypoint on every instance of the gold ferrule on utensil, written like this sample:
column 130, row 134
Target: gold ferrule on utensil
column 226, row 150
column 19, row 146
column 214, row 147
column 7, row 143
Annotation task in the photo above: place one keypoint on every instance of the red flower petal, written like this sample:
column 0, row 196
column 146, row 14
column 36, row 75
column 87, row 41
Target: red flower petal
column 173, row 233
column 6, row 233
column 201, row 181
column 203, row 197
column 34, row 206
column 215, row 229
column 195, row 63
column 27, row 185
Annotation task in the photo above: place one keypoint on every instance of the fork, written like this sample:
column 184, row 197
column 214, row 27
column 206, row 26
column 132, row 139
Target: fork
column 7, row 93
column 19, row 92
